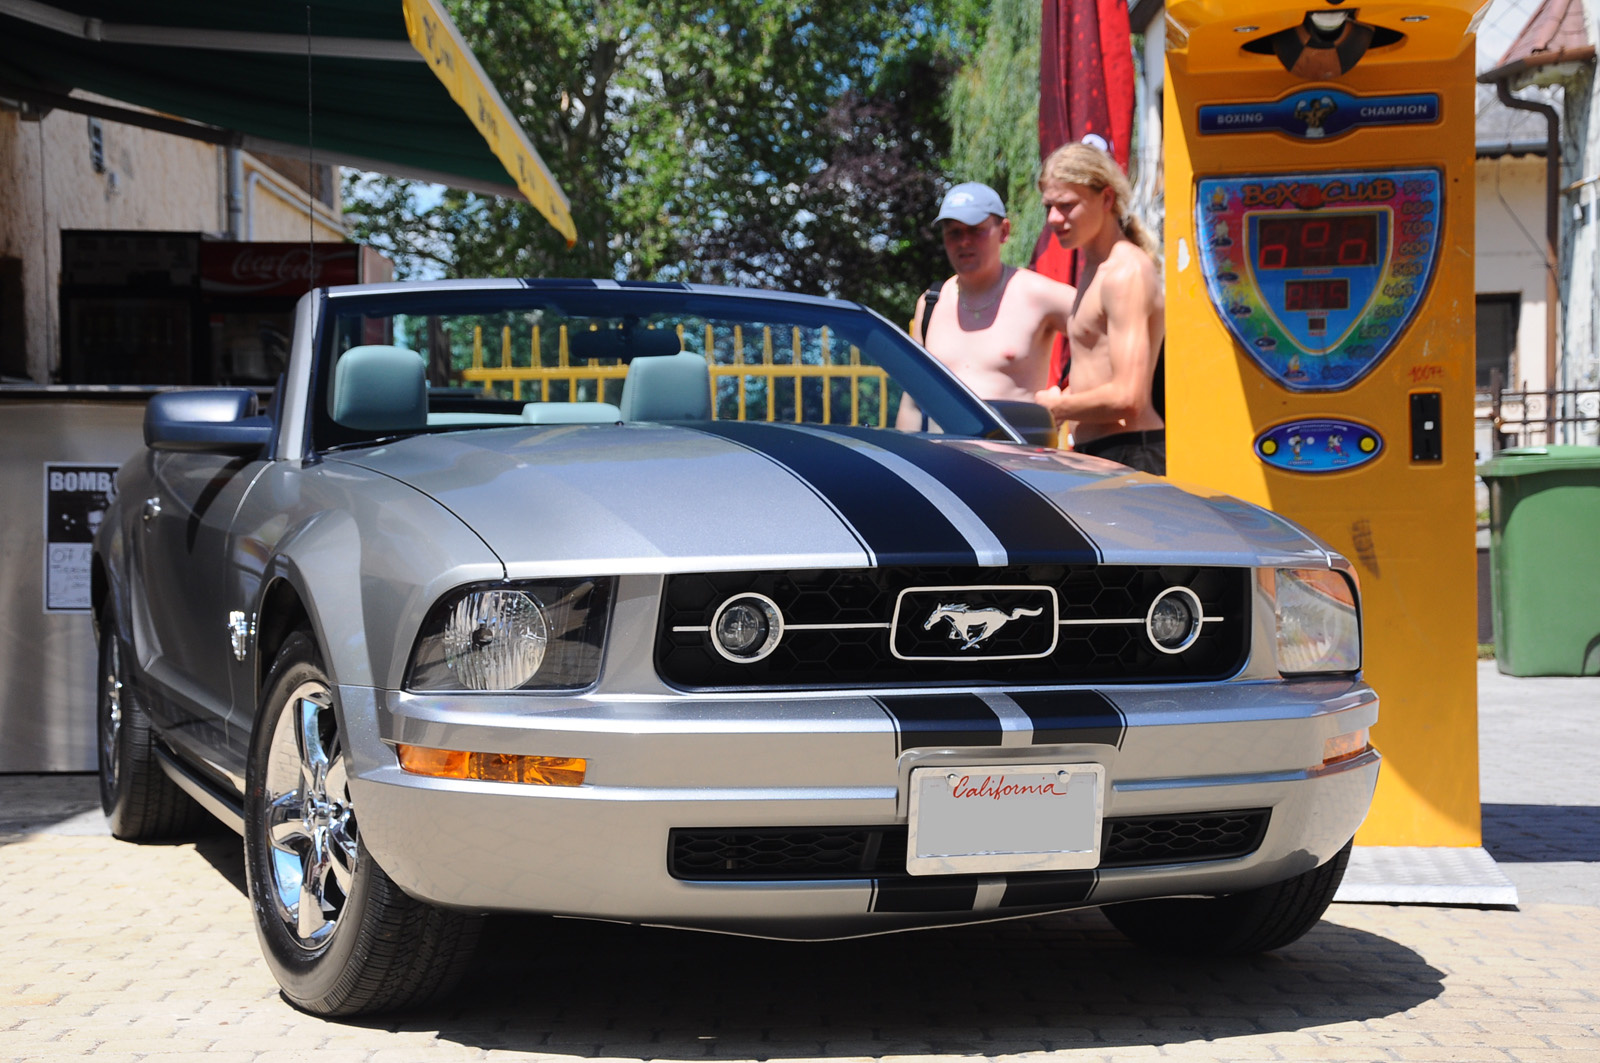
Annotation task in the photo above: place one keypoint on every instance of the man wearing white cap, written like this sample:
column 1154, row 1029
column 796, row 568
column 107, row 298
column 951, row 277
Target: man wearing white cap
column 992, row 324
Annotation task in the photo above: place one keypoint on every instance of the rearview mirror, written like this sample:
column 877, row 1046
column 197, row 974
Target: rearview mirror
column 1032, row 421
column 213, row 420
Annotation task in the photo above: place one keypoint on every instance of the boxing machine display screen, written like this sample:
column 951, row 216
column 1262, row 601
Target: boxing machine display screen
column 1318, row 274
column 1317, row 295
column 1318, row 243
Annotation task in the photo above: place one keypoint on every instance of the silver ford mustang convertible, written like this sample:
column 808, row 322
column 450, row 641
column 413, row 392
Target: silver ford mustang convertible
column 632, row 601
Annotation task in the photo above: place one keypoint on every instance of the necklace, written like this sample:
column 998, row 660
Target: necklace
column 999, row 290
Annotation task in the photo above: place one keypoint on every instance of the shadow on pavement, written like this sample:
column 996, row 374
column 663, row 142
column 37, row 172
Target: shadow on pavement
column 223, row 850
column 1542, row 834
column 588, row 989
column 64, row 803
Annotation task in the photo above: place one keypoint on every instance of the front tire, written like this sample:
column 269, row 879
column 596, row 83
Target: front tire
column 140, row 801
column 340, row 937
column 1251, row 921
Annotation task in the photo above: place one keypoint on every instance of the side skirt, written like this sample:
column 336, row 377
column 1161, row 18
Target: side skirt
column 223, row 806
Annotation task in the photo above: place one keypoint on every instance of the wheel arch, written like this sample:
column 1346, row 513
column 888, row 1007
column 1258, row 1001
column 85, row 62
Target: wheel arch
column 282, row 612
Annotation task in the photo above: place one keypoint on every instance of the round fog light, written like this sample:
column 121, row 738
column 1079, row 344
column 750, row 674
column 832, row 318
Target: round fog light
column 747, row 627
column 1174, row 620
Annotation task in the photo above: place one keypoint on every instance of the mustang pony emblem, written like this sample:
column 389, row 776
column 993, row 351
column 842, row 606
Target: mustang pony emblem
column 972, row 626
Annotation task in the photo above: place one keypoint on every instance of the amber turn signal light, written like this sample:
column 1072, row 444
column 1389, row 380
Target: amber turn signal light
column 492, row 767
column 1344, row 747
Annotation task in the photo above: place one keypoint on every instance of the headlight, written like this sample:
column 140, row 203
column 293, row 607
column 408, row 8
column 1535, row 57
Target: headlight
column 1319, row 623
column 542, row 635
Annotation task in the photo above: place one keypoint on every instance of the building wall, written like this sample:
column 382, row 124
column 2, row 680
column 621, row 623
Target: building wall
column 1510, row 253
column 1580, row 207
column 50, row 181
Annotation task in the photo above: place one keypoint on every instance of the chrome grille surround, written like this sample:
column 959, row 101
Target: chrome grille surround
column 873, row 627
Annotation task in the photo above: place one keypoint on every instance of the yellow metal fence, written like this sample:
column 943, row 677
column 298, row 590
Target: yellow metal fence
column 859, row 377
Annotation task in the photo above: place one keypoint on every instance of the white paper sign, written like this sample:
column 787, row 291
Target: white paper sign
column 76, row 496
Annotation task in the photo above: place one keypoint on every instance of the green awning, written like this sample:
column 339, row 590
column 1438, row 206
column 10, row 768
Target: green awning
column 384, row 85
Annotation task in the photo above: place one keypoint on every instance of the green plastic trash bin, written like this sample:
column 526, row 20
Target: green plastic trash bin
column 1544, row 559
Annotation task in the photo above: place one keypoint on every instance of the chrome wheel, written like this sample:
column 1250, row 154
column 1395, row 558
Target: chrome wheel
column 313, row 844
column 110, row 715
column 339, row 936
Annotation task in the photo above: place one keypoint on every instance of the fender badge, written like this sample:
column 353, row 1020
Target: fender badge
column 1322, row 445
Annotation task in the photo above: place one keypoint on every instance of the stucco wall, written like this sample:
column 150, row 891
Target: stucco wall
column 1580, row 206
column 1510, row 254
column 151, row 181
column 275, row 208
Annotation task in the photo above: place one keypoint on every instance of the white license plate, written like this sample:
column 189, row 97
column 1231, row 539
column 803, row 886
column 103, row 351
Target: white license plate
column 992, row 818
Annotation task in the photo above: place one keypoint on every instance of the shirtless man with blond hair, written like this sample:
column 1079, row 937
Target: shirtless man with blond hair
column 992, row 324
column 1119, row 323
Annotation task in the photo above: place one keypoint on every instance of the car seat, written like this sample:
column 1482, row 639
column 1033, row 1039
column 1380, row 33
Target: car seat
column 381, row 388
column 673, row 387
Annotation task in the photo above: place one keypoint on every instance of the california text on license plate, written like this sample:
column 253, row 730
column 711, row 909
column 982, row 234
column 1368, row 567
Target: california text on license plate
column 990, row 818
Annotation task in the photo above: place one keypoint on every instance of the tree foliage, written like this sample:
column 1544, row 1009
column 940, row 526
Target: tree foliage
column 993, row 110
column 790, row 143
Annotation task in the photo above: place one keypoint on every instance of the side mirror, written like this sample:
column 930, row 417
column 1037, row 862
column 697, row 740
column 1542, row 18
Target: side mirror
column 1032, row 421
column 215, row 420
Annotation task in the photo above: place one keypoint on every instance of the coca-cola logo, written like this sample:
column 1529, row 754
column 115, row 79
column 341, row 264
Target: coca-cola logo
column 263, row 269
column 297, row 265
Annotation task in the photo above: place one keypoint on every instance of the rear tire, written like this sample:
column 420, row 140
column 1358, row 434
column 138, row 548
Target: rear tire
column 139, row 800
column 1251, row 921
column 340, row 937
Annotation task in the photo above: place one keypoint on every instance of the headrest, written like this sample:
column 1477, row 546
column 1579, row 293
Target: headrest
column 621, row 345
column 673, row 388
column 571, row 413
column 381, row 388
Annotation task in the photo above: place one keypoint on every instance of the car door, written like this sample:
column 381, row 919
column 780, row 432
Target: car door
column 184, row 524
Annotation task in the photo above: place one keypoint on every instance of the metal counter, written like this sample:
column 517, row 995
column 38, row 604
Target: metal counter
column 60, row 448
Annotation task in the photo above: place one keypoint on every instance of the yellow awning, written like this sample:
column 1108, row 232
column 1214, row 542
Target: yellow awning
column 435, row 36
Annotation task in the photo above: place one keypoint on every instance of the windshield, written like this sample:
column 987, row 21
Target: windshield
column 401, row 363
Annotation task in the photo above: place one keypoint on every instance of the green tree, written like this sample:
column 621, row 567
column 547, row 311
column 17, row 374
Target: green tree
column 993, row 109
column 788, row 142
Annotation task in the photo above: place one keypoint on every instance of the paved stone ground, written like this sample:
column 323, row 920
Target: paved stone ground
column 121, row 952
column 1540, row 783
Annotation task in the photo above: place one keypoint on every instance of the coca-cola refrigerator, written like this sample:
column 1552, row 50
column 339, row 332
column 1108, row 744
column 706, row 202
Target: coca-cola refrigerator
column 167, row 309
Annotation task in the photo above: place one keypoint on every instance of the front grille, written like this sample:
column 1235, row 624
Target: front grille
column 758, row 854
column 838, row 627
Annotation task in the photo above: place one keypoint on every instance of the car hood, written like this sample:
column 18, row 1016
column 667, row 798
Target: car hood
column 586, row 499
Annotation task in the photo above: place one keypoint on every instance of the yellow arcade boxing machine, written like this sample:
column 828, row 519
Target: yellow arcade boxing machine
column 1319, row 270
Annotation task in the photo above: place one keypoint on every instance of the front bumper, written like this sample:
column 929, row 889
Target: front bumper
column 808, row 761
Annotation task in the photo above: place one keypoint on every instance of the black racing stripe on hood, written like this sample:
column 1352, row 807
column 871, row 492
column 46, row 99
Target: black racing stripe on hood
column 1032, row 530
column 1072, row 716
column 896, row 521
column 942, row 720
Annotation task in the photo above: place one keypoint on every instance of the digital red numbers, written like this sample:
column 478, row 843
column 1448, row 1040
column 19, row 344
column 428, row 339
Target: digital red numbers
column 1329, row 293
column 1318, row 242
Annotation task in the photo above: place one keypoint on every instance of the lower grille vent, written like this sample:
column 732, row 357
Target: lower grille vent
column 711, row 854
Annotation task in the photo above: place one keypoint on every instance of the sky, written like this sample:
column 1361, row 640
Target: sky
column 1500, row 27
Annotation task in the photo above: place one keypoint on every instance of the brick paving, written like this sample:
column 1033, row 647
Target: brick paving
column 118, row 952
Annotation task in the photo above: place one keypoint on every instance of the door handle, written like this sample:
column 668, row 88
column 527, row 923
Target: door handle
column 152, row 508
